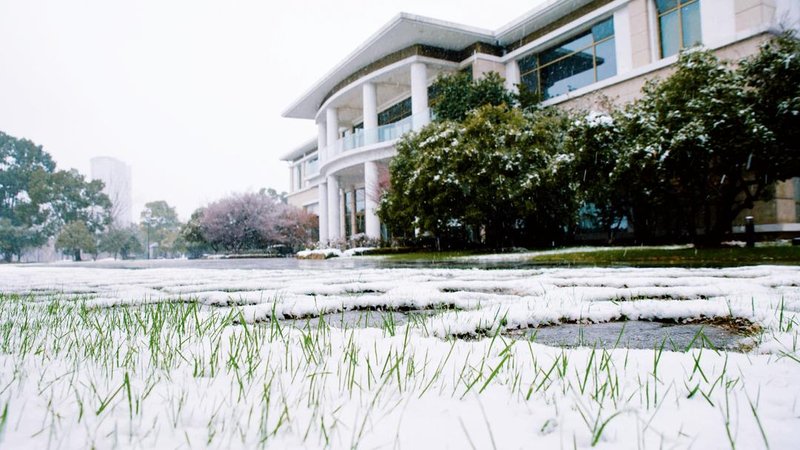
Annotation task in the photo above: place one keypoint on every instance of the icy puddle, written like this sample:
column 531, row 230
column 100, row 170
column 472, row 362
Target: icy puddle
column 387, row 320
column 637, row 334
column 633, row 334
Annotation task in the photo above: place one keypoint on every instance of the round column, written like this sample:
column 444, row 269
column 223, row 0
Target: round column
column 334, row 233
column 419, row 95
column 322, row 192
column 371, row 198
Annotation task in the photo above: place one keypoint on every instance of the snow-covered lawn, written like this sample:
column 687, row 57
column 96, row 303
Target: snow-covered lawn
column 196, row 358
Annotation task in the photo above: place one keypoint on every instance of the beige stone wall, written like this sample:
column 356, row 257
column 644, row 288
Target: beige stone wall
column 302, row 198
column 638, row 11
column 483, row 66
column 783, row 209
column 753, row 13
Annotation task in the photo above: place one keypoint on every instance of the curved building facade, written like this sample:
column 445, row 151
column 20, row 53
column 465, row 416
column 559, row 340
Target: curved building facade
column 575, row 53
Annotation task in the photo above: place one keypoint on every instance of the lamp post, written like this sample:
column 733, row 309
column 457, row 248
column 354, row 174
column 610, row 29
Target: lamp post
column 750, row 231
column 148, row 216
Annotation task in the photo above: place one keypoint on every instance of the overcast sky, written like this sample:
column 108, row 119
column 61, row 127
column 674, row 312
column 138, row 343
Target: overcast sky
column 188, row 92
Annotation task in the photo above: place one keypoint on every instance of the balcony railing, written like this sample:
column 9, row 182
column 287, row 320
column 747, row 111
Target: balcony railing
column 384, row 133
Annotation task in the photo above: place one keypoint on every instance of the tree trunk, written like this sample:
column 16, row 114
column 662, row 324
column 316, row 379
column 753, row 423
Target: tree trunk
column 76, row 255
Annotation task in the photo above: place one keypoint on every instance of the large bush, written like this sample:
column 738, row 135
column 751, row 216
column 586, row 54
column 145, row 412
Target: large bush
column 697, row 149
column 497, row 177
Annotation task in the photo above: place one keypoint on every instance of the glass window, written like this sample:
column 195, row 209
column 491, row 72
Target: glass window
column 361, row 203
column 579, row 62
column 605, row 56
column 678, row 25
column 395, row 113
column 796, row 199
column 312, row 167
column 690, row 24
column 348, row 211
column 568, row 74
column 361, row 206
column 298, row 177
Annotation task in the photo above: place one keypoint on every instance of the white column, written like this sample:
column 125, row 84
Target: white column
column 652, row 22
column 322, row 140
column 373, row 226
column 332, row 131
column 322, row 192
column 370, row 113
column 512, row 76
column 334, row 232
column 342, row 215
column 622, row 40
column 419, row 94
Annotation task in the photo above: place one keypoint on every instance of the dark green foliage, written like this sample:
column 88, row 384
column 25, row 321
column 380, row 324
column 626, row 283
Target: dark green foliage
column 697, row 135
column 527, row 99
column 24, row 170
column 193, row 238
column 75, row 238
column 160, row 225
column 697, row 149
column 122, row 242
column 680, row 164
column 36, row 200
column 75, row 199
column 598, row 145
column 458, row 94
column 496, row 174
column 772, row 79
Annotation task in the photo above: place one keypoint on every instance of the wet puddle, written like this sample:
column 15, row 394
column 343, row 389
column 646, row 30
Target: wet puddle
column 634, row 334
column 365, row 319
column 637, row 334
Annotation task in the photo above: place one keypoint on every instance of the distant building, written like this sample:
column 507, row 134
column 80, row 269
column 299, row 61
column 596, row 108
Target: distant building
column 117, row 178
column 574, row 53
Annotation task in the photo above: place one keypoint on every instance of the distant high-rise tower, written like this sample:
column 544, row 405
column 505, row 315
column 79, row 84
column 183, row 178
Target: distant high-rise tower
column 116, row 175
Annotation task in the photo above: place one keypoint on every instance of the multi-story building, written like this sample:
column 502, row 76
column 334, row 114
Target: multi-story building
column 116, row 175
column 575, row 53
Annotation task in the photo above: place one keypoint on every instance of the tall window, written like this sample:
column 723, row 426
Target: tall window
column 395, row 113
column 587, row 58
column 298, row 177
column 796, row 199
column 678, row 25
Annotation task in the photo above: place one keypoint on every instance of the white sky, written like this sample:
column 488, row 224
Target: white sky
column 188, row 92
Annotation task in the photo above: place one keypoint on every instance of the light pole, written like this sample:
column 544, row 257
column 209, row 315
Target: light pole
column 148, row 216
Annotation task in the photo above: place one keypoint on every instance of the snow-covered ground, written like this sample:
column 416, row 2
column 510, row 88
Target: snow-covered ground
column 202, row 358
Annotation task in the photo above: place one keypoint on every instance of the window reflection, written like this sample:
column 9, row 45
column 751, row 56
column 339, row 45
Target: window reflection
column 585, row 59
column 678, row 25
